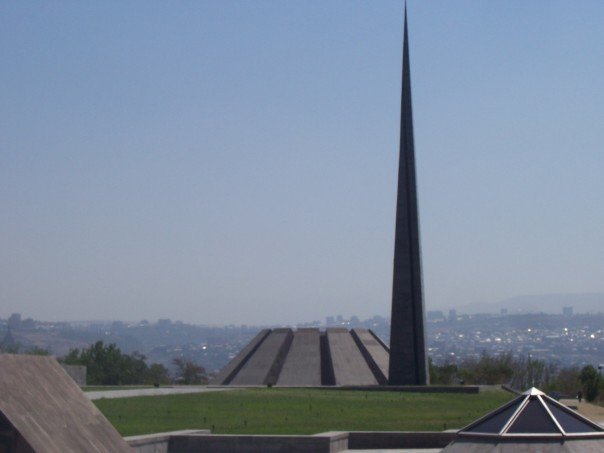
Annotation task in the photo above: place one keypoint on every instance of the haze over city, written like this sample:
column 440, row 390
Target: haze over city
column 235, row 162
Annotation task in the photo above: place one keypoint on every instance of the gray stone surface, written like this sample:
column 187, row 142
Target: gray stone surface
column 46, row 411
column 375, row 353
column 264, row 365
column 303, row 362
column 226, row 375
column 349, row 365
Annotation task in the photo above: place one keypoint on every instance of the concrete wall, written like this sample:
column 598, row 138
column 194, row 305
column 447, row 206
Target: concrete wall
column 467, row 389
column 330, row 443
column 360, row 440
column 159, row 442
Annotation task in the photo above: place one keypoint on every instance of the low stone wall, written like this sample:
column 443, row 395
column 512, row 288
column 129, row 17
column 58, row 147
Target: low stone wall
column 468, row 389
column 158, row 442
column 472, row 389
column 328, row 442
column 321, row 443
column 359, row 440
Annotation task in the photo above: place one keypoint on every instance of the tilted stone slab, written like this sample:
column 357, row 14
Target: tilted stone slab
column 225, row 375
column 375, row 353
column 349, row 365
column 303, row 363
column 47, row 411
column 265, row 363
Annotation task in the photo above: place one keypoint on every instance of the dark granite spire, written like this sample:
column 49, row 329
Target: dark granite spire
column 408, row 364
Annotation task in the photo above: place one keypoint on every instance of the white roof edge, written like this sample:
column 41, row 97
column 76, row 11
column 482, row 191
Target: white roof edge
column 533, row 392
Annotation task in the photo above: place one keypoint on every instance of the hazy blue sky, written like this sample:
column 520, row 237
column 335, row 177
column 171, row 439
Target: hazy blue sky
column 235, row 162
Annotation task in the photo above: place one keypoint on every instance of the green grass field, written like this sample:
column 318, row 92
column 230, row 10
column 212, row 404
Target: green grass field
column 297, row 411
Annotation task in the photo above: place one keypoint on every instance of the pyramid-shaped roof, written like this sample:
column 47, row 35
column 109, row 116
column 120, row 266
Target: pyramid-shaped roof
column 533, row 414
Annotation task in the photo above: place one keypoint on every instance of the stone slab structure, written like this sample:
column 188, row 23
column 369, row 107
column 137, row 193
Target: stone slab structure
column 264, row 365
column 349, row 364
column 227, row 374
column 303, row 362
column 309, row 357
column 374, row 351
column 43, row 410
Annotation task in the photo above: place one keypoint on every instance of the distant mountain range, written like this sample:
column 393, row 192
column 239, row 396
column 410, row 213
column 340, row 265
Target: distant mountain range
column 540, row 303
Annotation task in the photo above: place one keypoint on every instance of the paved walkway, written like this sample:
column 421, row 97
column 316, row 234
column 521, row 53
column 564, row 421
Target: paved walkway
column 129, row 393
column 591, row 411
column 404, row 450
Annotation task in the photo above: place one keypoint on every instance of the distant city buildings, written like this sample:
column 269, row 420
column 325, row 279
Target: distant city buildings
column 14, row 321
column 435, row 315
column 452, row 315
column 566, row 338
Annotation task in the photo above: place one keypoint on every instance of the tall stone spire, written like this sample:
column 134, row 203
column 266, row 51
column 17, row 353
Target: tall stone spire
column 408, row 364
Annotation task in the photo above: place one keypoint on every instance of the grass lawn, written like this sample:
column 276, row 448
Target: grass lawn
column 297, row 411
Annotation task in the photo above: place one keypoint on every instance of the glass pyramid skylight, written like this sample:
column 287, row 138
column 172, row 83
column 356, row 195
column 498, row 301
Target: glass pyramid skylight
column 533, row 413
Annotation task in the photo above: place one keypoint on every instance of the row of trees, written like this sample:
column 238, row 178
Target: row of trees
column 17, row 349
column 520, row 373
column 108, row 365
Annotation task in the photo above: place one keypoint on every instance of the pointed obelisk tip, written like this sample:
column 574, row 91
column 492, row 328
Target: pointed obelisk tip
column 405, row 22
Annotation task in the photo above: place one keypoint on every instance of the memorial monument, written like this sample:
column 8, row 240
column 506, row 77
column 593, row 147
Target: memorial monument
column 356, row 357
column 408, row 364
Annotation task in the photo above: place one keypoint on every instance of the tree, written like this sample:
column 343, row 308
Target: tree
column 107, row 365
column 37, row 351
column 157, row 374
column 488, row 369
column 590, row 382
column 528, row 372
column 188, row 372
column 12, row 349
column 565, row 381
column 442, row 375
